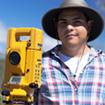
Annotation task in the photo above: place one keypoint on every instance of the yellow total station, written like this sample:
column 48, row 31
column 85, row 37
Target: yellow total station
column 23, row 65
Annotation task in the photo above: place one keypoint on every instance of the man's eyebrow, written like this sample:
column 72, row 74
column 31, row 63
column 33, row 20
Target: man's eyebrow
column 76, row 18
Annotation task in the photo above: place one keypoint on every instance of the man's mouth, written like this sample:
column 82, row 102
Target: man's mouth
column 70, row 35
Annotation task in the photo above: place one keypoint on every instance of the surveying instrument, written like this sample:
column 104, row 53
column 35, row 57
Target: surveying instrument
column 23, row 65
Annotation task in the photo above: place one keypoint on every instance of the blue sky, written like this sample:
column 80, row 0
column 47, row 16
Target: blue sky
column 28, row 13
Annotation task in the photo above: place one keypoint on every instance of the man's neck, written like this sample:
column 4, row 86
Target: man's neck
column 75, row 51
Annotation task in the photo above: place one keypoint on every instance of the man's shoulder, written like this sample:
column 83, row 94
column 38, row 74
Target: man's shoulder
column 47, row 53
column 101, row 53
column 51, row 52
column 97, row 53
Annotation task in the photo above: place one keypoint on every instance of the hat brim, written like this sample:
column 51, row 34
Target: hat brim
column 50, row 28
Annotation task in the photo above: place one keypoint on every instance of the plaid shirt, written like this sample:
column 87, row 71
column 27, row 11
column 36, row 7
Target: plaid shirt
column 60, row 88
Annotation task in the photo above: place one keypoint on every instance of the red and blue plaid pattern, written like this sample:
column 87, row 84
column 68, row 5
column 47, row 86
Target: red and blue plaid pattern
column 60, row 88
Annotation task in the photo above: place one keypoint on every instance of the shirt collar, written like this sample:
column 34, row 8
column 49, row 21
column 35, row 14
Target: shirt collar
column 93, row 53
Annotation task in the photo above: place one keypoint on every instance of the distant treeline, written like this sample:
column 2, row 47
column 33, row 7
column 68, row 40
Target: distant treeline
column 2, row 67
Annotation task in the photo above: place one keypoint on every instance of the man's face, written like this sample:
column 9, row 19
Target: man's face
column 72, row 27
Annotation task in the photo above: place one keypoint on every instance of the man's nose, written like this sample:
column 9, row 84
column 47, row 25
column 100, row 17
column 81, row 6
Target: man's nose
column 70, row 27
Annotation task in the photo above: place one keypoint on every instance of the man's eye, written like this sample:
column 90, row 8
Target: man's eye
column 77, row 23
column 61, row 22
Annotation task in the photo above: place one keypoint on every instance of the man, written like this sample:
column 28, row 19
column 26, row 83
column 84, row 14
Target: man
column 73, row 73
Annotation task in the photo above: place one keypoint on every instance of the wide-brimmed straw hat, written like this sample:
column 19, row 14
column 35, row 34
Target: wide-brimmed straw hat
column 49, row 24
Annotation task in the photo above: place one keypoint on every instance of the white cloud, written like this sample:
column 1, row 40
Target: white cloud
column 3, row 33
column 48, row 43
column 3, row 37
